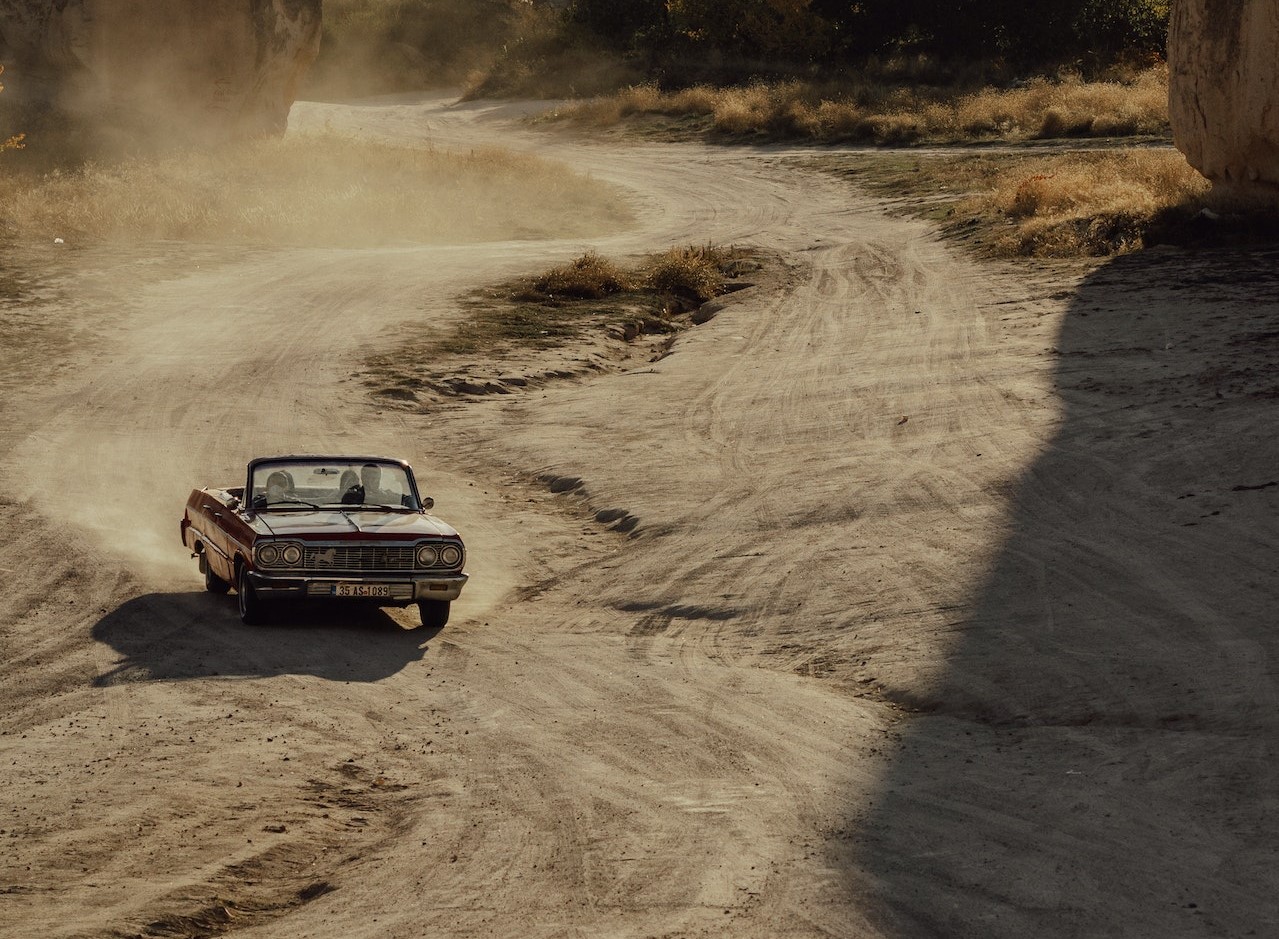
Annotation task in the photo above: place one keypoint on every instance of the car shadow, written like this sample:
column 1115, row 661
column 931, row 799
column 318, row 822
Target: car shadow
column 183, row 636
column 1098, row 755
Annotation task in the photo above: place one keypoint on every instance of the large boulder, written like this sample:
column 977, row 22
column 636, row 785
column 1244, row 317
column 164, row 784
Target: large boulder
column 189, row 70
column 1223, row 96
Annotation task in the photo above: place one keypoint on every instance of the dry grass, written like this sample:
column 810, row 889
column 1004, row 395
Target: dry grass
column 1090, row 204
column 1081, row 204
column 562, row 323
column 312, row 190
column 591, row 292
column 589, row 277
column 694, row 273
column 888, row 114
column 689, row 274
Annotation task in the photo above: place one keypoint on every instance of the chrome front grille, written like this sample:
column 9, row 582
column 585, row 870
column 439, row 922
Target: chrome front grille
column 358, row 557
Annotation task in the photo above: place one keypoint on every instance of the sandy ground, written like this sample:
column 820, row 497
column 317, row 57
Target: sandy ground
column 909, row 596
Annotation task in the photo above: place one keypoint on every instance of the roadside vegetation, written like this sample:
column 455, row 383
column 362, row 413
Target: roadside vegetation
column 889, row 73
column 589, row 300
column 658, row 295
column 886, row 114
column 1080, row 204
column 883, row 72
column 309, row 190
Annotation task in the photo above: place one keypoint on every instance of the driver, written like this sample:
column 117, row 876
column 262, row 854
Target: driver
column 371, row 477
column 277, row 487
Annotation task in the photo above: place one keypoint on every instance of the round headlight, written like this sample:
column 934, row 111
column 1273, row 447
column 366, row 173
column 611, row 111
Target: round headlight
column 268, row 554
column 427, row 556
column 291, row 555
column 450, row 555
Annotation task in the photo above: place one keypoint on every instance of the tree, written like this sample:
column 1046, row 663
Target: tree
column 625, row 25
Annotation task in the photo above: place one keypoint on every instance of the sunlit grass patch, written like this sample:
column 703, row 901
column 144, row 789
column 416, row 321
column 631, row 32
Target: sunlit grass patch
column 682, row 274
column 591, row 291
column 1069, row 107
column 1081, row 204
column 525, row 331
column 1089, row 204
column 589, row 277
column 313, row 190
column 883, row 113
column 696, row 273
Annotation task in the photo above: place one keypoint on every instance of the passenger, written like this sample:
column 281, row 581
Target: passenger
column 350, row 492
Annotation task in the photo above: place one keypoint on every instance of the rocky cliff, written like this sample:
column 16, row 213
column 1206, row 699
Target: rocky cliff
column 188, row 69
column 1223, row 58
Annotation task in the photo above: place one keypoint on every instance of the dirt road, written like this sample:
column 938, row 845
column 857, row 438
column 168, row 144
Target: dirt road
column 907, row 597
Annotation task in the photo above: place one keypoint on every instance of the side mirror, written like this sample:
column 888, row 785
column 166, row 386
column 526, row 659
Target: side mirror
column 427, row 504
column 233, row 504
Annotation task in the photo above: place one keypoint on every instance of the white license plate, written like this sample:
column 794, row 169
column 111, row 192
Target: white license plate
column 361, row 590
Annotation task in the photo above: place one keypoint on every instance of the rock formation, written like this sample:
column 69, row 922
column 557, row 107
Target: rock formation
column 1223, row 58
column 189, row 70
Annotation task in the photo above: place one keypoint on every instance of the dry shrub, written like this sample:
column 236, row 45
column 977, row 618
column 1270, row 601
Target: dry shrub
column 742, row 110
column 595, row 112
column 879, row 113
column 640, row 99
column 843, row 119
column 796, row 118
column 692, row 273
column 897, row 128
column 1091, row 204
column 610, row 110
column 589, row 277
column 314, row 190
column 698, row 100
column 984, row 113
column 1069, row 107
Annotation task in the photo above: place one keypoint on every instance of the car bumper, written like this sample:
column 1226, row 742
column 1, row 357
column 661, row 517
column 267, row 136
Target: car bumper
column 387, row 589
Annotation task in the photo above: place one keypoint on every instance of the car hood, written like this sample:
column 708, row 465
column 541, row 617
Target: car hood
column 335, row 525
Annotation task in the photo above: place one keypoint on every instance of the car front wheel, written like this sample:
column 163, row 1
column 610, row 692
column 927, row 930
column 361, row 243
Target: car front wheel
column 251, row 613
column 435, row 613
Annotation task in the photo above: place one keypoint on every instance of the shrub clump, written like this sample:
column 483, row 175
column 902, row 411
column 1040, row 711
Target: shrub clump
column 690, row 273
column 1091, row 204
column 589, row 277
column 886, row 113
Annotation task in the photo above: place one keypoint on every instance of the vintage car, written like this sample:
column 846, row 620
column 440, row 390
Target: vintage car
column 341, row 529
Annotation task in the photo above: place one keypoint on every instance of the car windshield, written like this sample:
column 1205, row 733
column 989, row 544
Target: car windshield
column 355, row 484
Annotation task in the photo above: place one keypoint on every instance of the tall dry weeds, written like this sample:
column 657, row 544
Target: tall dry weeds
column 589, row 277
column 1090, row 204
column 691, row 273
column 867, row 111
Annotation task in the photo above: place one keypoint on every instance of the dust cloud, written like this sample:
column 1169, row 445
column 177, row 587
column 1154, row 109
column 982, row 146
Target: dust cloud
column 314, row 190
column 169, row 123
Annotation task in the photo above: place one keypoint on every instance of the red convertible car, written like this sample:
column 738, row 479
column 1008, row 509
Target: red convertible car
column 335, row 528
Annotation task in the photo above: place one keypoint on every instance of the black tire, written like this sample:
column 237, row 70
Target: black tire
column 434, row 613
column 212, row 582
column 251, row 612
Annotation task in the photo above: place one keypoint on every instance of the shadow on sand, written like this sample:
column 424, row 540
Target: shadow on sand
column 177, row 636
column 1101, row 757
